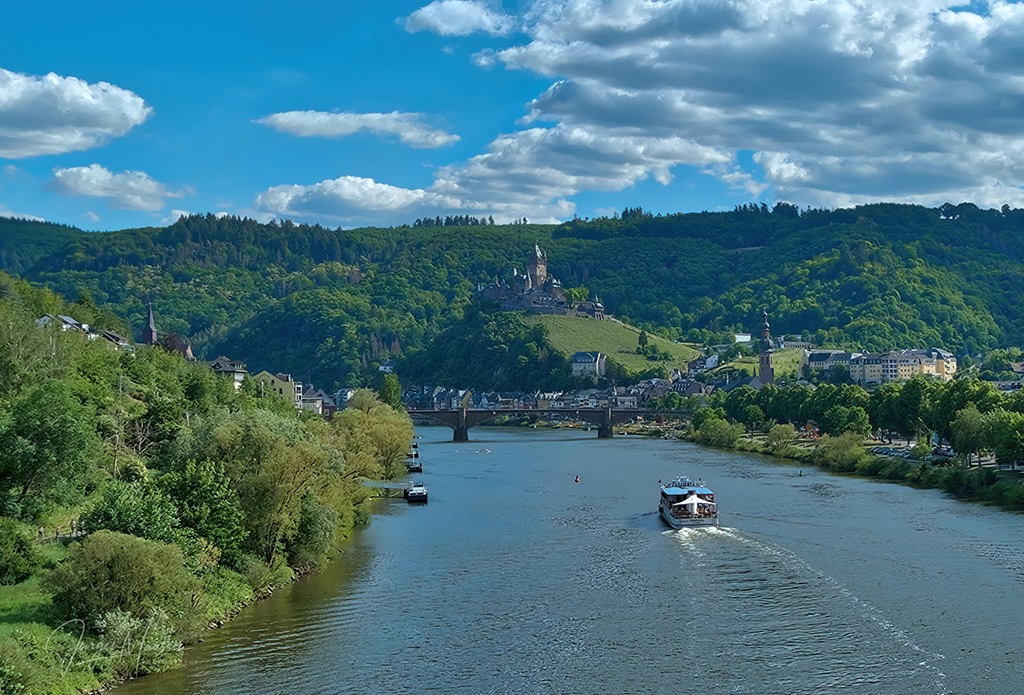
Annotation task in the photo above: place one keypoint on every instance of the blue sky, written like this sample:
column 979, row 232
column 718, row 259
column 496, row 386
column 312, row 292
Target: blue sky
column 117, row 115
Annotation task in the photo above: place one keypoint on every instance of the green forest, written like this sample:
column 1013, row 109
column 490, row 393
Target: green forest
column 141, row 494
column 329, row 305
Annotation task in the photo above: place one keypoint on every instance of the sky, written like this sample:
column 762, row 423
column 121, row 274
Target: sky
column 344, row 113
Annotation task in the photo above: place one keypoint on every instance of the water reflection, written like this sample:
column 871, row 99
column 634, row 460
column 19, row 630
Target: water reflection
column 515, row 579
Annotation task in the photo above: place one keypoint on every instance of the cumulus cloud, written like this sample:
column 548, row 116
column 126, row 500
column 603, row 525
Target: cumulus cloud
column 459, row 18
column 52, row 114
column 128, row 190
column 840, row 102
column 5, row 212
column 530, row 173
column 844, row 100
column 407, row 126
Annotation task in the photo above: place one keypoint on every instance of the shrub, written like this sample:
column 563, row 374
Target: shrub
column 18, row 559
column 718, row 432
column 135, row 646
column 113, row 571
column 841, row 453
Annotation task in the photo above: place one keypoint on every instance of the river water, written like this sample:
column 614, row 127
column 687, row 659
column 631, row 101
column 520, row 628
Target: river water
column 515, row 579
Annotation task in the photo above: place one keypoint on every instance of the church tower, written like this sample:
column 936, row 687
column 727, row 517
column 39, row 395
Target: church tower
column 537, row 268
column 766, row 369
column 149, row 332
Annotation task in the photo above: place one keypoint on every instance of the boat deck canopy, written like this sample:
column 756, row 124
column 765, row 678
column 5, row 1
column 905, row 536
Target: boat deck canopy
column 681, row 491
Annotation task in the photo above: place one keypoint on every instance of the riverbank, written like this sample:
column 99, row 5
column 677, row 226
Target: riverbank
column 850, row 454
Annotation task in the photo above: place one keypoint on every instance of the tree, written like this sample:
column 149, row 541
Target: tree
column 779, row 437
column 18, row 559
column 202, row 493
column 702, row 415
column 46, row 446
column 1004, row 432
column 753, row 417
column 643, row 339
column 840, row 419
column 138, row 508
column 968, row 430
column 391, row 391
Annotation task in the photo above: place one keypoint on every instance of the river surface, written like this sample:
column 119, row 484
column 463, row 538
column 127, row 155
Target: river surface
column 516, row 579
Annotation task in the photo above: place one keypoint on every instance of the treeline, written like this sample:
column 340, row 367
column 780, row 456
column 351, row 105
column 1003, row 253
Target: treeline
column 970, row 414
column 450, row 221
column 186, row 497
column 336, row 303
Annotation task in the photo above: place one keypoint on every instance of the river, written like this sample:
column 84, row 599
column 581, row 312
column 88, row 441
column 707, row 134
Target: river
column 516, row 579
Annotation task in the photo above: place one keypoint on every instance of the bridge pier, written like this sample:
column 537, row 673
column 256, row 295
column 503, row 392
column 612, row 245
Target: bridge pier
column 461, row 428
column 604, row 430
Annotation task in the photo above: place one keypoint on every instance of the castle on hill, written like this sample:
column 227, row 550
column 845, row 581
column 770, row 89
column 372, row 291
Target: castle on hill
column 536, row 292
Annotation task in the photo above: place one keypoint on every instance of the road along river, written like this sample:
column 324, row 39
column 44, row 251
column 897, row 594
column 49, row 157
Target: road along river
column 515, row 579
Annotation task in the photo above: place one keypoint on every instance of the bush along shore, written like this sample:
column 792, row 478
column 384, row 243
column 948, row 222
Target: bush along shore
column 853, row 454
column 143, row 499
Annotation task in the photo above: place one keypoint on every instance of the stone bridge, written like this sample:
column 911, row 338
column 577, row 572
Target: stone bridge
column 461, row 419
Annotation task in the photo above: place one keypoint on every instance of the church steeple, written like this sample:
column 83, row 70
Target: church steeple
column 149, row 332
column 766, row 370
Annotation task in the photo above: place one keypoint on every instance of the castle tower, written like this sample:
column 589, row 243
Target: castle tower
column 537, row 268
column 149, row 332
column 766, row 368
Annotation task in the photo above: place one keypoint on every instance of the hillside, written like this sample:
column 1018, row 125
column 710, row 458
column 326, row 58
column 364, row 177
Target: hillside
column 24, row 242
column 330, row 305
column 571, row 334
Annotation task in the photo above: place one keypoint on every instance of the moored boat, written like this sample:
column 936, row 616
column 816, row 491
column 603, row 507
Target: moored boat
column 687, row 502
column 416, row 492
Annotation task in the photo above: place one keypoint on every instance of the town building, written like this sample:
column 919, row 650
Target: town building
column 282, row 385
column 230, row 368
column 587, row 364
column 872, row 369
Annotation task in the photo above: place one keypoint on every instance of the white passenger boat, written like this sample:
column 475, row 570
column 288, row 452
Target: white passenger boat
column 687, row 502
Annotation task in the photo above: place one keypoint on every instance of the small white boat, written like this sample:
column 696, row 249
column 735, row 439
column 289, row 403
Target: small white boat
column 417, row 492
column 686, row 502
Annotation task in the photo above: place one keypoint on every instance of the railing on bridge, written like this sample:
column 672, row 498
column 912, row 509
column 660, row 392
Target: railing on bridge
column 462, row 419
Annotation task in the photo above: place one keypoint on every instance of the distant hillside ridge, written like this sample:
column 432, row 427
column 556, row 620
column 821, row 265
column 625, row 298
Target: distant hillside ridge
column 335, row 303
column 23, row 242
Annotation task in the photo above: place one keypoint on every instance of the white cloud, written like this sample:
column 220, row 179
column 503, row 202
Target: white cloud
column 128, row 190
column 459, row 18
column 841, row 100
column 5, row 212
column 175, row 215
column 407, row 126
column 92, row 216
column 51, row 114
column 10, row 170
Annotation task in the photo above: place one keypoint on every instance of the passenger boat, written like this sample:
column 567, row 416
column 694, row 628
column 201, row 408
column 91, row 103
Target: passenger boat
column 686, row 502
column 414, row 465
column 417, row 492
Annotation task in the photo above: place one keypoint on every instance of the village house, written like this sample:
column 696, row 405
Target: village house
column 282, row 385
column 230, row 368
column 587, row 364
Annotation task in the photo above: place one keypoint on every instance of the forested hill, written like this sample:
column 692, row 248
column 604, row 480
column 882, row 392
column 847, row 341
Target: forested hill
column 328, row 305
column 23, row 242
